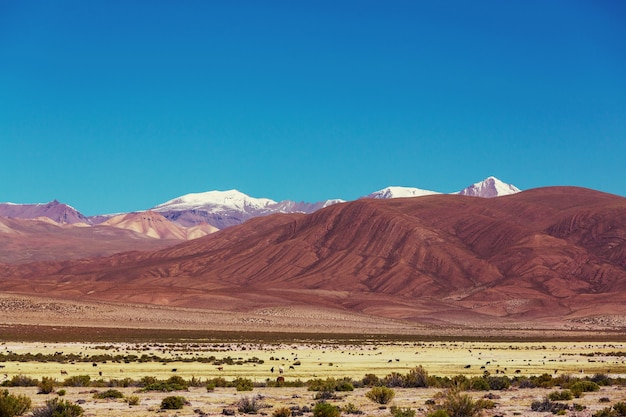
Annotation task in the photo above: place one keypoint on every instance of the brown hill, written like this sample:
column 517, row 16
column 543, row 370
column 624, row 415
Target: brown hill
column 154, row 225
column 24, row 241
column 552, row 256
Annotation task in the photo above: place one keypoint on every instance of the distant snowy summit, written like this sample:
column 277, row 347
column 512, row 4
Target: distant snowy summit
column 488, row 188
column 400, row 192
column 228, row 208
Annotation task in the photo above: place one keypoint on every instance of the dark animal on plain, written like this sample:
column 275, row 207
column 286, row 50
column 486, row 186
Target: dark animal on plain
column 281, row 370
column 272, row 370
column 467, row 366
column 63, row 372
column 220, row 368
column 482, row 367
column 94, row 364
column 389, row 361
column 517, row 371
column 174, row 370
column 280, row 379
column 291, row 367
column 100, row 373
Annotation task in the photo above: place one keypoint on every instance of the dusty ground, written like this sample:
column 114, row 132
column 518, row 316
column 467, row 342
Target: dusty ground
column 20, row 310
column 511, row 402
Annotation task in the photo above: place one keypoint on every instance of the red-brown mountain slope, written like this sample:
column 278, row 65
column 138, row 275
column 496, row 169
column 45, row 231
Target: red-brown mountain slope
column 544, row 254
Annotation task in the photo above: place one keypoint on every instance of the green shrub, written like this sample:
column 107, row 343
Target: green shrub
column 22, row 381
column 173, row 403
column 323, row 409
column 401, row 412
column 584, row 386
column 46, row 386
column 344, row 385
column 498, row 383
column 381, row 395
column 58, row 408
column 478, row 383
column 282, row 412
column 250, row 405
column 564, row 395
column 620, row 408
column 11, row 405
column 77, row 381
column 112, row 393
column 371, row 380
column 210, row 387
column 61, row 392
column 174, row 383
column 243, row 384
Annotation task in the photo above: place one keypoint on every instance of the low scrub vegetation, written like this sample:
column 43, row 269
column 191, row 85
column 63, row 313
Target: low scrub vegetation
column 58, row 408
column 173, row 403
column 250, row 405
column 381, row 395
column 13, row 405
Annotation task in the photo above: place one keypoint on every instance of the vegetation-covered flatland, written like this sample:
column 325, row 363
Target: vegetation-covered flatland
column 212, row 375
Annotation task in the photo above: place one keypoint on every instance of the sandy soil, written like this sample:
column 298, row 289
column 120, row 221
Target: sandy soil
column 28, row 311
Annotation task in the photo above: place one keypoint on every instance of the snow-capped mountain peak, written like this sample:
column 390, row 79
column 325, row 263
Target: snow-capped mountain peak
column 488, row 188
column 400, row 192
column 231, row 199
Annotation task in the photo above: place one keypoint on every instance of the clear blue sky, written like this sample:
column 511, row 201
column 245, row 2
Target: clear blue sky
column 115, row 106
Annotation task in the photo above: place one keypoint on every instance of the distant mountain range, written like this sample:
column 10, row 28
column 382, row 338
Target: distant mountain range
column 213, row 210
column 548, row 258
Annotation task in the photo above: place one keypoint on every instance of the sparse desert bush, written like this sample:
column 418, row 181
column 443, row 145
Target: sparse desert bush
column 344, row 385
column 174, row 383
column 61, row 392
column 455, row 404
column 210, row 387
column 618, row 410
column 12, row 405
column 498, row 383
column 371, row 380
column 243, row 384
column 173, row 402
column 584, row 386
column 351, row 409
column 478, row 383
column 21, row 381
column 548, row 406
column 564, row 395
column 250, row 405
column 542, row 381
column 46, row 386
column 111, row 393
column 282, row 412
column 58, row 408
column 324, row 409
column 416, row 378
column 381, row 395
column 401, row 412
column 77, row 381
column 132, row 400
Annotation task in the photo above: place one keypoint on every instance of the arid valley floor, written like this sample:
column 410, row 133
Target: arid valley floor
column 199, row 346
